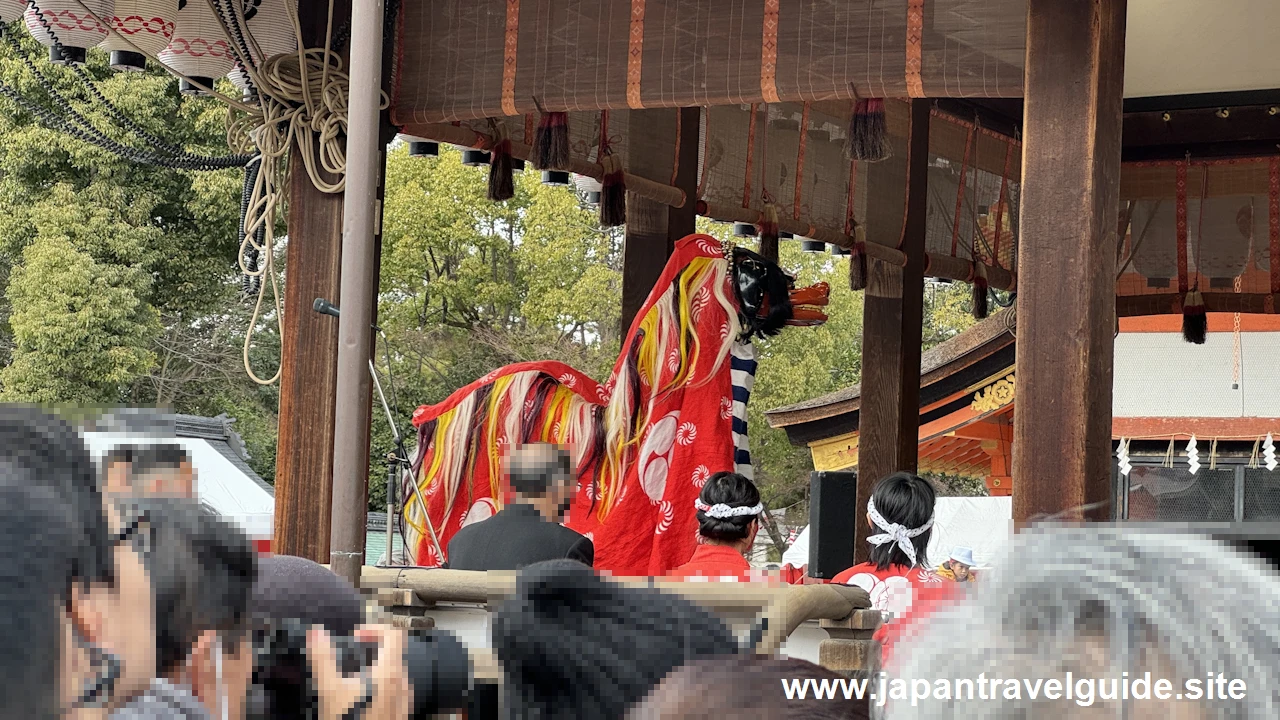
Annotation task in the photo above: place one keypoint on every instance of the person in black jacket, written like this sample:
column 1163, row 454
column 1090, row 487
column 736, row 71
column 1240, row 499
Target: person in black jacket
column 527, row 530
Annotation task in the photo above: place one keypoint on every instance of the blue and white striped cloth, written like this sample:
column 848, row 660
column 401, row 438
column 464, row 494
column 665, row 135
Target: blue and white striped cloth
column 742, row 369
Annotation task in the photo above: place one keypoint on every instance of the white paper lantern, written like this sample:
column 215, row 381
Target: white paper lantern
column 11, row 10
column 270, row 22
column 198, row 49
column 148, row 24
column 73, row 28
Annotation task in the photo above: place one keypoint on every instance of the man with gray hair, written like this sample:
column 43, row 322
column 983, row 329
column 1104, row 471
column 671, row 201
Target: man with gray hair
column 1099, row 621
column 528, row 529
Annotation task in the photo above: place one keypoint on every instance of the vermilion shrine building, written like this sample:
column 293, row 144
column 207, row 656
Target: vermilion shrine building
column 1225, row 393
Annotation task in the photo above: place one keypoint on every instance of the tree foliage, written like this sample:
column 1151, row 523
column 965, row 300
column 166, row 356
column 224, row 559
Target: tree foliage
column 119, row 279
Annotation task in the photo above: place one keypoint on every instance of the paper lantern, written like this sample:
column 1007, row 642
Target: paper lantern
column 270, row 22
column 147, row 24
column 199, row 48
column 11, row 10
column 73, row 29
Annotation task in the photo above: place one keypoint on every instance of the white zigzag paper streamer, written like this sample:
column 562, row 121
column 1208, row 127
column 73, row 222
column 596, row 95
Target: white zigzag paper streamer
column 1193, row 456
column 1269, row 453
column 1123, row 455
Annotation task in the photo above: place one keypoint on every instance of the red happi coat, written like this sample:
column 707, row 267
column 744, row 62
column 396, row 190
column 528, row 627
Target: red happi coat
column 685, row 436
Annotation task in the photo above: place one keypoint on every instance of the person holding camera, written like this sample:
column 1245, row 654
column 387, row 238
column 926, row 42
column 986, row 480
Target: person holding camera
column 310, row 650
column 202, row 572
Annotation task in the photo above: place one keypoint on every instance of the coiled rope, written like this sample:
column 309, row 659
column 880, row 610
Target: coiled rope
column 302, row 100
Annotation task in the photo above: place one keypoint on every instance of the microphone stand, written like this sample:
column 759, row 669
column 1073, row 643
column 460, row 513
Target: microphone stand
column 397, row 459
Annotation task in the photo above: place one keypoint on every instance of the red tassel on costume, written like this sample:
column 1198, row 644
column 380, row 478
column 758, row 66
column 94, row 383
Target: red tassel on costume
column 501, row 183
column 981, row 307
column 551, row 144
column 613, row 192
column 858, row 267
column 868, row 134
column 769, row 233
column 1195, row 323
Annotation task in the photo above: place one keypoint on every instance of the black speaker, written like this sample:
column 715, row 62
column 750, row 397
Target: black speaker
column 833, row 499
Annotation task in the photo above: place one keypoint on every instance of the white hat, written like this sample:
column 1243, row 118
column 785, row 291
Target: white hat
column 963, row 555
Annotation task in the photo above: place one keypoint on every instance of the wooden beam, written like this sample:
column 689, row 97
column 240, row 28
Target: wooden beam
column 1190, row 127
column 1224, row 428
column 654, row 227
column 1067, row 263
column 889, row 421
column 304, row 452
column 1216, row 302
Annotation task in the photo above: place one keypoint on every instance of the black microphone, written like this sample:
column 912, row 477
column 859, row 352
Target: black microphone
column 324, row 307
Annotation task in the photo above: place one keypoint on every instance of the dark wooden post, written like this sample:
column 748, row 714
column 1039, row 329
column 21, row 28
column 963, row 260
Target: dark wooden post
column 1066, row 255
column 304, row 454
column 892, row 320
column 652, row 227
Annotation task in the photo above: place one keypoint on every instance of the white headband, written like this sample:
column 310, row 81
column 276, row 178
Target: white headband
column 721, row 511
column 895, row 533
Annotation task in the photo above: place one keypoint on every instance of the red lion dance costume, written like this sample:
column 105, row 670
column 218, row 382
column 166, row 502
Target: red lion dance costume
column 672, row 414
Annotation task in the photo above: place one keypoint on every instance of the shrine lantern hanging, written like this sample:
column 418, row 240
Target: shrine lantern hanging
column 199, row 48
column 270, row 23
column 66, row 28
column 11, row 10
column 145, row 25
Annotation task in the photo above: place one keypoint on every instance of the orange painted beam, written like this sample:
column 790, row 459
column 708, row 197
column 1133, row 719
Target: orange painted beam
column 999, row 486
column 1218, row 322
column 944, row 425
column 985, row 430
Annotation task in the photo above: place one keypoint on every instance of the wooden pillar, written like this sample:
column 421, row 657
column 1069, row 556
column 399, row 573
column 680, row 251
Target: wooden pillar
column 304, row 453
column 1066, row 256
column 652, row 227
column 892, row 320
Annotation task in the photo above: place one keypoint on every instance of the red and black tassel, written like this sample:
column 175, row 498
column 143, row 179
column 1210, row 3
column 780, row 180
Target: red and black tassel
column 1195, row 322
column 858, row 267
column 501, row 182
column 981, row 306
column 769, row 233
column 868, row 132
column 551, row 142
column 613, row 192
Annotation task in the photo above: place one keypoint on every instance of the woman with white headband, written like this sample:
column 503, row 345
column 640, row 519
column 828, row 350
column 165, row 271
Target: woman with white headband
column 729, row 510
column 898, row 578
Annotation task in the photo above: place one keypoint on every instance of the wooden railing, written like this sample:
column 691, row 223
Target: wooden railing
column 413, row 595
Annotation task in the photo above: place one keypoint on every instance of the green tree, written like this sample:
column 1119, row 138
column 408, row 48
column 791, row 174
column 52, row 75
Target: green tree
column 80, row 327
column 120, row 279
column 156, row 242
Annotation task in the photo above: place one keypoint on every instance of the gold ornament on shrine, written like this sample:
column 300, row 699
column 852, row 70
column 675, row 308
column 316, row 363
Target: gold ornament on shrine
column 994, row 396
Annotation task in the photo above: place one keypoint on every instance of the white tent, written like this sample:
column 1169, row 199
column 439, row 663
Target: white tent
column 984, row 524
column 219, row 483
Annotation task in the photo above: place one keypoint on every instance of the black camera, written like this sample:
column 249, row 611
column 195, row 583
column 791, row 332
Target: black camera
column 438, row 666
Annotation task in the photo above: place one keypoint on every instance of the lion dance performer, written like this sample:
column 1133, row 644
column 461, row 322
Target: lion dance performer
column 671, row 415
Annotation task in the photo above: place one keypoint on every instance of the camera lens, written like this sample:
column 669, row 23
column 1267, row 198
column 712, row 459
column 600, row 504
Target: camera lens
column 440, row 671
column 438, row 666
